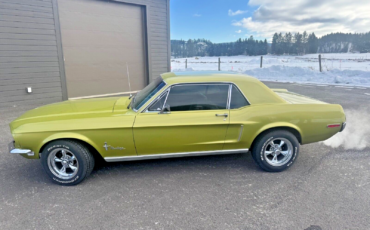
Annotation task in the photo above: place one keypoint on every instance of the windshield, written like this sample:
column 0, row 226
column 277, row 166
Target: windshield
column 148, row 92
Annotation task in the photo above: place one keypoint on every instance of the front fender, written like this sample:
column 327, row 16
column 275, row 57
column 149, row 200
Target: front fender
column 66, row 135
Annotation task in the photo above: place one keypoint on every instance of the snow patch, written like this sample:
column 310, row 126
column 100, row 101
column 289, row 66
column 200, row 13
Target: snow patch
column 339, row 69
column 305, row 75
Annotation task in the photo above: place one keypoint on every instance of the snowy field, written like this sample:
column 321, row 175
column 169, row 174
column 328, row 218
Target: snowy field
column 339, row 69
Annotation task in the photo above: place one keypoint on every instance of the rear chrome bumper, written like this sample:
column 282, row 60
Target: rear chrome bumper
column 13, row 150
column 343, row 126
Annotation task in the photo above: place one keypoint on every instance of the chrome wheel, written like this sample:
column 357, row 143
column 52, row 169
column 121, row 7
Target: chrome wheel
column 63, row 163
column 278, row 151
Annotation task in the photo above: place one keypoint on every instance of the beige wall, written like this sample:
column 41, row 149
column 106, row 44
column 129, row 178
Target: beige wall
column 98, row 38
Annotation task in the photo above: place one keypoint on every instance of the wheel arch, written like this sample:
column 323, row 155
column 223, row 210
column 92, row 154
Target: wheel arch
column 73, row 137
column 287, row 127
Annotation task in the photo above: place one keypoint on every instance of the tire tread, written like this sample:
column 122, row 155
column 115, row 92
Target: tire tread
column 88, row 160
column 257, row 148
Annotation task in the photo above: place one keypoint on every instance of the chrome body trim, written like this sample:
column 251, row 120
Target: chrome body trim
column 163, row 94
column 165, row 100
column 13, row 150
column 229, row 96
column 241, row 132
column 222, row 115
column 174, row 155
column 343, row 126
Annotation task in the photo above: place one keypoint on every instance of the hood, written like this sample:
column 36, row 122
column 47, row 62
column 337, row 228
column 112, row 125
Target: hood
column 69, row 109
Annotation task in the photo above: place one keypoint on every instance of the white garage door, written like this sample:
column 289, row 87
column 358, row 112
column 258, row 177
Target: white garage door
column 98, row 38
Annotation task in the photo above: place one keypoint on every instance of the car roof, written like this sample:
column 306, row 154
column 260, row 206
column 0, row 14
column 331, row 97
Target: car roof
column 255, row 91
column 205, row 76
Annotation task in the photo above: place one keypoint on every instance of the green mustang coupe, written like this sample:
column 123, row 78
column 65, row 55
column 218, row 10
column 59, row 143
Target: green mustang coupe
column 177, row 115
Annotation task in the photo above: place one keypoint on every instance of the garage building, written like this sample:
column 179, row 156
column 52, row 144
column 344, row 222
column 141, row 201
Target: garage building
column 53, row 50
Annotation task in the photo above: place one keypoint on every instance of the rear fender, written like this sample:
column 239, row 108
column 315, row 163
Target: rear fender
column 278, row 125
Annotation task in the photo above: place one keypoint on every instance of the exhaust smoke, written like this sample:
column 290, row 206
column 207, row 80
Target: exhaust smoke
column 356, row 135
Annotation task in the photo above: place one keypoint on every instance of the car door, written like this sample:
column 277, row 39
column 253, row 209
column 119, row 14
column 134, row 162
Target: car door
column 196, row 120
column 238, row 132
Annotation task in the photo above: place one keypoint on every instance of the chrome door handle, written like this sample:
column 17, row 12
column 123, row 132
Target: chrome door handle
column 222, row 115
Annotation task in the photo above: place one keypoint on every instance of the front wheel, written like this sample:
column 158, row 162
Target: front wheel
column 275, row 151
column 67, row 162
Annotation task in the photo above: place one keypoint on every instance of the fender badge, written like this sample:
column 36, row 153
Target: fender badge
column 106, row 146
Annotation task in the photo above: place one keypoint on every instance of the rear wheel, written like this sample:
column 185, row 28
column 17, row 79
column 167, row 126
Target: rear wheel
column 275, row 151
column 67, row 162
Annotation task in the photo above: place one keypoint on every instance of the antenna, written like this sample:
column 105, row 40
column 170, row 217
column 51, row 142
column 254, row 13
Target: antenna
column 128, row 77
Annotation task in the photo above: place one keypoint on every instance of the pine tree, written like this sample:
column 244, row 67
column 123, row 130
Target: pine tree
column 265, row 47
column 298, row 43
column 288, row 43
column 305, row 41
column 274, row 43
column 313, row 43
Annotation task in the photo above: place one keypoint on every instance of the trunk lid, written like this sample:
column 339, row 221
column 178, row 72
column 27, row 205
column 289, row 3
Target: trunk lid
column 294, row 98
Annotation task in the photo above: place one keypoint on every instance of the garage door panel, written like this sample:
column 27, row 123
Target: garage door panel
column 99, row 7
column 96, row 73
column 95, row 22
column 83, row 38
column 132, row 14
column 80, row 87
column 99, row 37
column 98, row 81
column 83, row 56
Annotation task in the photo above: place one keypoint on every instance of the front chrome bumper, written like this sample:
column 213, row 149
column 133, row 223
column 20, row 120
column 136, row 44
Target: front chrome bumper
column 13, row 150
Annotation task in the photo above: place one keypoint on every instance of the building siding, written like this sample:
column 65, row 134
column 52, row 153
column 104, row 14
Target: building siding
column 28, row 53
column 31, row 53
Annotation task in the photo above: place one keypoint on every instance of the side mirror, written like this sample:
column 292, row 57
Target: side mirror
column 166, row 109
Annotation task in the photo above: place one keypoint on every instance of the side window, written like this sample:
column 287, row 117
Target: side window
column 237, row 99
column 157, row 106
column 198, row 97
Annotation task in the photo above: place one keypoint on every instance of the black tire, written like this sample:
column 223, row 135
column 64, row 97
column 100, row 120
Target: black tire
column 263, row 143
column 79, row 156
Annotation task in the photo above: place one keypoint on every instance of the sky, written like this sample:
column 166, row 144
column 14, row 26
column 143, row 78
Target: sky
column 228, row 20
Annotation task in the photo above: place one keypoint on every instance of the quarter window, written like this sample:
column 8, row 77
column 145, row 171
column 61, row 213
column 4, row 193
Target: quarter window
column 158, row 105
column 198, row 97
column 237, row 99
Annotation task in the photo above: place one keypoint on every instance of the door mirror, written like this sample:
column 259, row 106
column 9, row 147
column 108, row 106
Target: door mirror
column 166, row 109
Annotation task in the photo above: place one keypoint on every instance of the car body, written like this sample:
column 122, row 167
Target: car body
column 161, row 122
